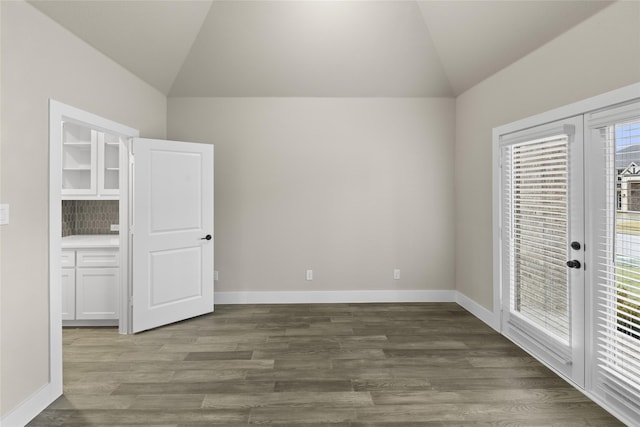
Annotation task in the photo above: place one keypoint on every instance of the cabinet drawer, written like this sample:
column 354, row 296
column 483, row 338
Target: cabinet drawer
column 68, row 259
column 98, row 258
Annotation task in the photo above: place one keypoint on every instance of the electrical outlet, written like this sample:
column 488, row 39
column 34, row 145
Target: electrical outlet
column 215, row 275
column 396, row 274
column 115, row 227
column 309, row 274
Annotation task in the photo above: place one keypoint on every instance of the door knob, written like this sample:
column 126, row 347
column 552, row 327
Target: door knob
column 574, row 263
column 207, row 237
column 575, row 246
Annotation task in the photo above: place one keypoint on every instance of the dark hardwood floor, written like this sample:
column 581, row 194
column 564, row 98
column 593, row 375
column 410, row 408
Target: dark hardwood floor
column 429, row 364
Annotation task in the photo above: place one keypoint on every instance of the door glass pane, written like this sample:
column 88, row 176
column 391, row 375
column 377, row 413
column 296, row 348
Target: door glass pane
column 539, row 228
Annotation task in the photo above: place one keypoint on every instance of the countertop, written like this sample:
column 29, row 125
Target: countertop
column 91, row 241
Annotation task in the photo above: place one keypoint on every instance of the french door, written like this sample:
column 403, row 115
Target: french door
column 543, row 265
column 570, row 250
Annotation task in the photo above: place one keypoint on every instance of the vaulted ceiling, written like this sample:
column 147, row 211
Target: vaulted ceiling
column 339, row 48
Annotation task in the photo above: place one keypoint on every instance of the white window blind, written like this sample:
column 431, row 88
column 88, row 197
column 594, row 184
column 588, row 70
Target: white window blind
column 617, row 287
column 535, row 185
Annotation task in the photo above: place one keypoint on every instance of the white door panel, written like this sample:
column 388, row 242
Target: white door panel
column 181, row 266
column 172, row 215
column 177, row 201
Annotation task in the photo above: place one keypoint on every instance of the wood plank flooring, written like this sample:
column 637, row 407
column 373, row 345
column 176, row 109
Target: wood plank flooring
column 356, row 365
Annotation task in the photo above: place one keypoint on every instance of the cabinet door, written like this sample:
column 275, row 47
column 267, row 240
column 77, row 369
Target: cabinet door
column 68, row 293
column 97, row 293
column 78, row 160
column 108, row 164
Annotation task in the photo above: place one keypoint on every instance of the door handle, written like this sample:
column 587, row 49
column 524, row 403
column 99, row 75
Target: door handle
column 207, row 237
column 574, row 263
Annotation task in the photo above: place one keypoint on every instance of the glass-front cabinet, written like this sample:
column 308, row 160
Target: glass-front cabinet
column 78, row 160
column 108, row 164
column 90, row 163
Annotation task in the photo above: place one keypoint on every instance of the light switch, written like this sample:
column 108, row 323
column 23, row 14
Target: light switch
column 4, row 214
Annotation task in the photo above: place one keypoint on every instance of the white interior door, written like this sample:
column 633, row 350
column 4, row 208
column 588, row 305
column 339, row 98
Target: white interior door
column 172, row 245
column 542, row 219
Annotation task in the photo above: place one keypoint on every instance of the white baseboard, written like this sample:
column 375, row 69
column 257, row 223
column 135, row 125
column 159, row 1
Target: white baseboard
column 479, row 311
column 31, row 407
column 320, row 297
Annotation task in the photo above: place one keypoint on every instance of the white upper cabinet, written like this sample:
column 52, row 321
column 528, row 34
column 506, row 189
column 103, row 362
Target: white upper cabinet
column 90, row 163
column 108, row 164
column 78, row 160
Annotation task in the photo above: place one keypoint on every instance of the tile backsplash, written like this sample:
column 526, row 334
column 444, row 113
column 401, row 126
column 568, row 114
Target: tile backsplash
column 89, row 216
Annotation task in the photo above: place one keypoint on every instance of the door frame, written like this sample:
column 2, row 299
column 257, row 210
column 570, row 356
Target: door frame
column 58, row 111
column 126, row 193
column 604, row 101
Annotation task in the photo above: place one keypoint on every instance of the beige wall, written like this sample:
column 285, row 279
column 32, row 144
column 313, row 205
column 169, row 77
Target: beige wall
column 351, row 188
column 40, row 60
column 601, row 54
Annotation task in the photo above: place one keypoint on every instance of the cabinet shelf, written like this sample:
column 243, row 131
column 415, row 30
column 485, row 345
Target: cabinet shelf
column 81, row 168
column 112, row 169
column 77, row 143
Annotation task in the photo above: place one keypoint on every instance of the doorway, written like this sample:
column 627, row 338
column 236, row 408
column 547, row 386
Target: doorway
column 169, row 275
column 58, row 114
column 567, row 244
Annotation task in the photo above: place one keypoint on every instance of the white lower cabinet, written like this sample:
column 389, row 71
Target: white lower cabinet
column 90, row 284
column 96, row 293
